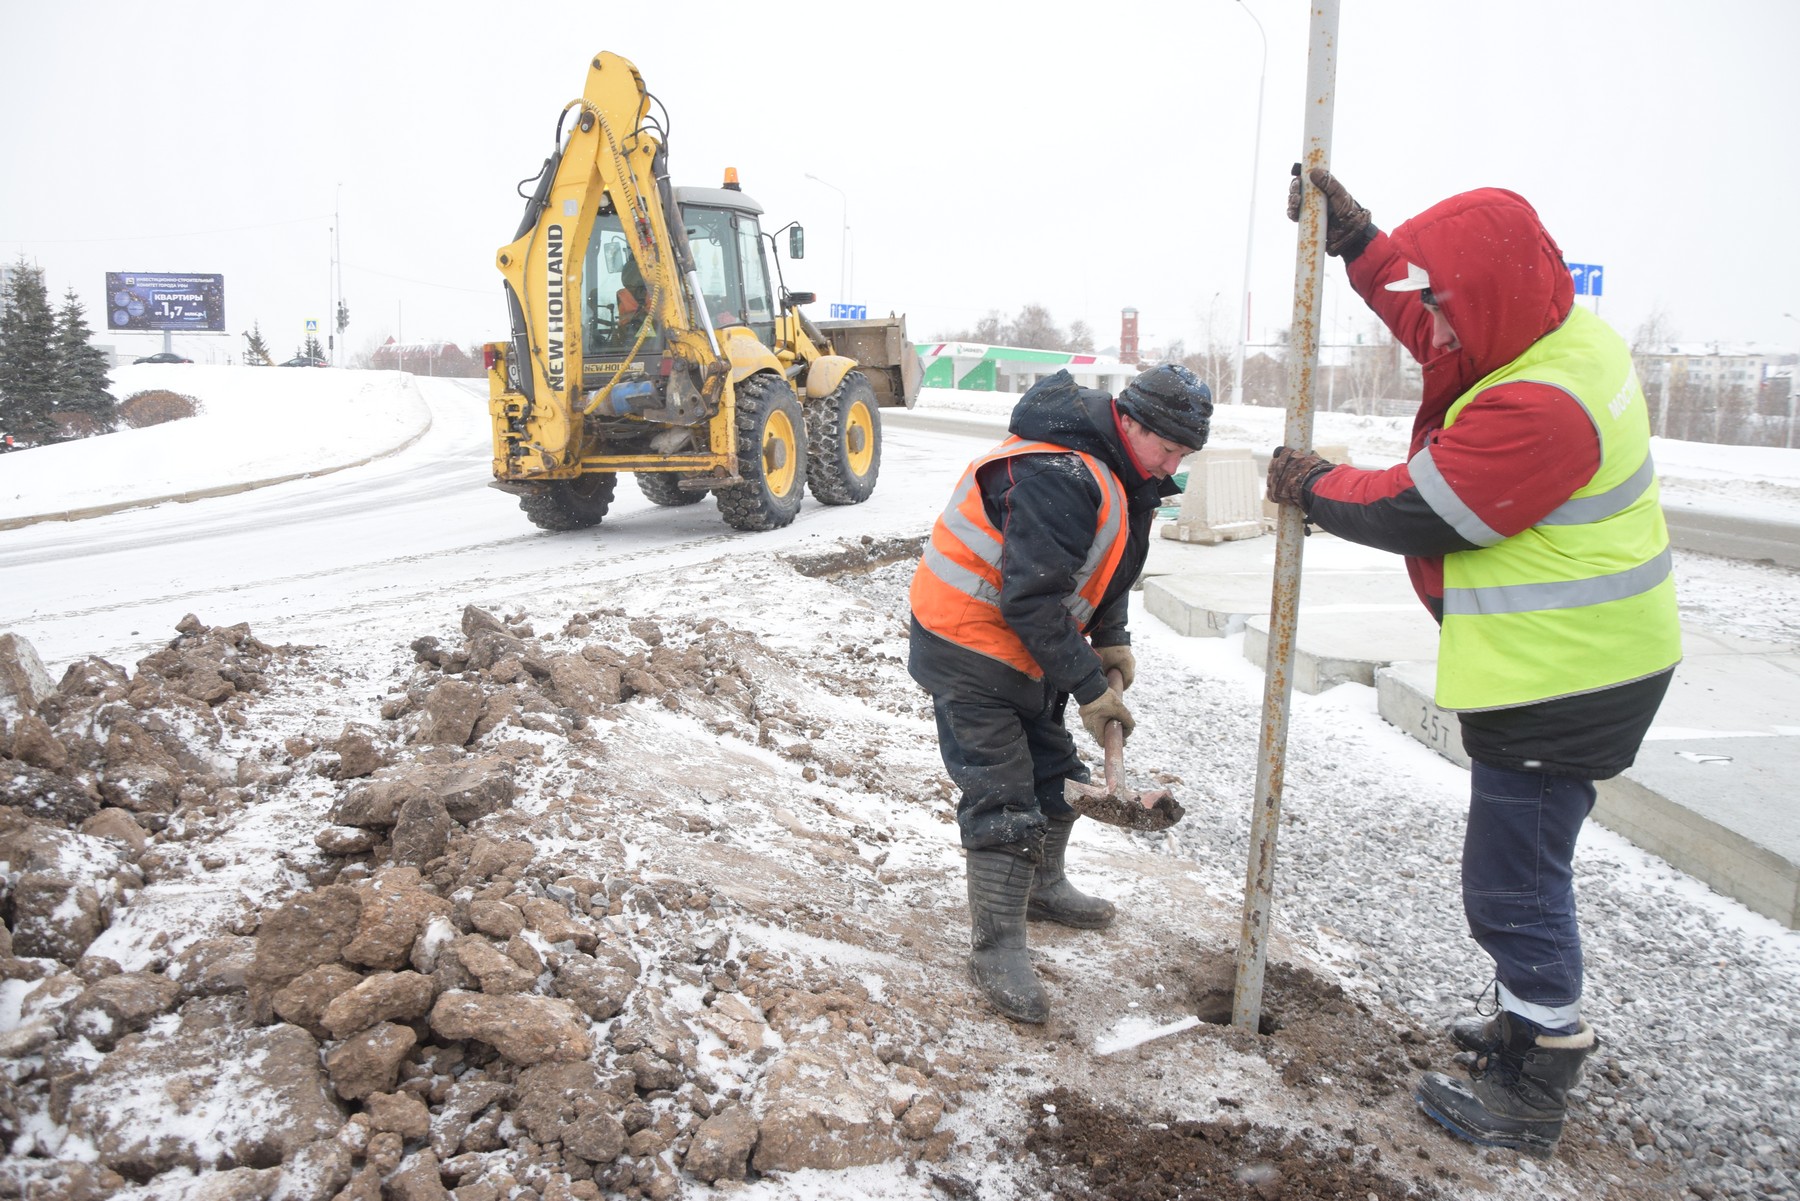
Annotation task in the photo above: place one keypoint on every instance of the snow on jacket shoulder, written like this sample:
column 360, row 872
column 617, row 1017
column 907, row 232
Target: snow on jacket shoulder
column 1516, row 451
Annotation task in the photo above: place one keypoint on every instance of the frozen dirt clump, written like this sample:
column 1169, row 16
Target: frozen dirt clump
column 1132, row 1157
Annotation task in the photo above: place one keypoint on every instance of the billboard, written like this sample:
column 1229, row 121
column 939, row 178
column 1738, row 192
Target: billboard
column 149, row 303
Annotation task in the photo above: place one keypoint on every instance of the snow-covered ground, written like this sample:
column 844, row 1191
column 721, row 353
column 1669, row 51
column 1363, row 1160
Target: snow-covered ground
column 389, row 532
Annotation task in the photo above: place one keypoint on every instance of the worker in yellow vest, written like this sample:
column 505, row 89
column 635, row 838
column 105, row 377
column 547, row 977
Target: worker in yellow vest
column 1528, row 515
column 1020, row 602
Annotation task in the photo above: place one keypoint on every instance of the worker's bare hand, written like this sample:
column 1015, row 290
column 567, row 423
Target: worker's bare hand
column 1121, row 660
column 1108, row 706
column 1290, row 471
column 1348, row 225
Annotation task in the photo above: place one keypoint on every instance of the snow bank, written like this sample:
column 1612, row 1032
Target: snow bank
column 256, row 425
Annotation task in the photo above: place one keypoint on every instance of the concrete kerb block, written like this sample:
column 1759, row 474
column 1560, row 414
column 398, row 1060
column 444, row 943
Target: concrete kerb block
column 1685, row 801
column 1220, row 502
column 1403, row 697
column 1709, row 806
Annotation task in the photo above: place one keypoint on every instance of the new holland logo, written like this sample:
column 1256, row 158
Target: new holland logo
column 553, row 307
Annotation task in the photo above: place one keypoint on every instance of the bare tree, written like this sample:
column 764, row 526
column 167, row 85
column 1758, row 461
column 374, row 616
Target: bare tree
column 1653, row 338
column 1375, row 371
column 1035, row 329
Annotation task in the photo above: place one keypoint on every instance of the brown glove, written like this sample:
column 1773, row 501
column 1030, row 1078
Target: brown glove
column 1348, row 225
column 1108, row 706
column 1121, row 660
column 1290, row 471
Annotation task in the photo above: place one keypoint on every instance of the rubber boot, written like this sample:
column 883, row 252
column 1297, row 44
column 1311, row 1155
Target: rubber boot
column 1518, row 1096
column 1053, row 898
column 999, row 883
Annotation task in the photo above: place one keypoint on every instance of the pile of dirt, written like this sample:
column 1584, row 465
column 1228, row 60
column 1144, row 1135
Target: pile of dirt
column 629, row 907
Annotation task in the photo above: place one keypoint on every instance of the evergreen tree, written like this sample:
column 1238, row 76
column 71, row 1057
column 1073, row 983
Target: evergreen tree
column 256, row 351
column 82, row 368
column 28, row 379
column 313, row 349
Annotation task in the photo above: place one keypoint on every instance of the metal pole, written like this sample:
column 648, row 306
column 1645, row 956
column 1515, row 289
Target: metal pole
column 1284, row 603
column 843, row 240
column 1237, row 389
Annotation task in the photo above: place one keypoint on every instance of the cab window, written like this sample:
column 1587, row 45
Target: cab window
column 615, row 300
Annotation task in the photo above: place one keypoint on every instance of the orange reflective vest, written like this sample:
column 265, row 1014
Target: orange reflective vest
column 956, row 588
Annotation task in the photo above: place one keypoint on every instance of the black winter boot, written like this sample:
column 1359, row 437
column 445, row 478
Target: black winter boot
column 1518, row 1096
column 1478, row 1034
column 1053, row 898
column 999, row 883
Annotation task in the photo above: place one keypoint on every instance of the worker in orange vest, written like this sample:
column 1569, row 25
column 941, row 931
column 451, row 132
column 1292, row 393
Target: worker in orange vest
column 1020, row 602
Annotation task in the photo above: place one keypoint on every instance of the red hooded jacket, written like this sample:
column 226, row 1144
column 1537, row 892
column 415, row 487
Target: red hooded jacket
column 1517, row 451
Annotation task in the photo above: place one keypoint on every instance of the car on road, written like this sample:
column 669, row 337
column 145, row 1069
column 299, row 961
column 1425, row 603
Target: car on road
column 165, row 356
column 305, row 361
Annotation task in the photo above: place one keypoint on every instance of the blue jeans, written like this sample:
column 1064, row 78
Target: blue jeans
column 1010, row 764
column 1519, row 891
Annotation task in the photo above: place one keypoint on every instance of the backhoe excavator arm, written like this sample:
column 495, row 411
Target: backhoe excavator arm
column 611, row 152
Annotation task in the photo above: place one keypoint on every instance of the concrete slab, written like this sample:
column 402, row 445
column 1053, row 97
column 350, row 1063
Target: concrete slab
column 1719, row 809
column 1346, row 643
column 1710, row 791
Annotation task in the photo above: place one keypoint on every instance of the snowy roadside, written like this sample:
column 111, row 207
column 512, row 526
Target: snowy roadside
column 256, row 425
column 672, row 800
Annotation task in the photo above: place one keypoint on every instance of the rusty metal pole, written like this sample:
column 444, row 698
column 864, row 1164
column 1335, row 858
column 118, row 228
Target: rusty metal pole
column 1284, row 603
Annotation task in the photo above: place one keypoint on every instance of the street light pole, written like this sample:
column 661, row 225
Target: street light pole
column 843, row 241
column 1237, row 395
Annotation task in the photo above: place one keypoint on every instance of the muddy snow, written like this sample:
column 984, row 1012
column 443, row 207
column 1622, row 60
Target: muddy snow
column 594, row 903
column 473, row 861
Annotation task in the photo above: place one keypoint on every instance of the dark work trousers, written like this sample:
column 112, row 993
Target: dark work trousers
column 1519, row 891
column 1010, row 763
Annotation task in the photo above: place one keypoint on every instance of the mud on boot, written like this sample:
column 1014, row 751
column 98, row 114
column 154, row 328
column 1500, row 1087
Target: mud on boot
column 1053, row 898
column 1518, row 1094
column 999, row 883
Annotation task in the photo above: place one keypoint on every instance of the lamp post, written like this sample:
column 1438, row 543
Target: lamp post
column 843, row 240
column 1237, row 395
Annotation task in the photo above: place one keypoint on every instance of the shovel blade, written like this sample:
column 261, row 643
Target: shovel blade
column 1149, row 811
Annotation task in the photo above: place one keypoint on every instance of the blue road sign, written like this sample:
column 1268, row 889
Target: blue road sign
column 1590, row 278
column 850, row 312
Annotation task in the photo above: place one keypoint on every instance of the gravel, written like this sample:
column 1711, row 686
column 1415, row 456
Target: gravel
column 1691, row 993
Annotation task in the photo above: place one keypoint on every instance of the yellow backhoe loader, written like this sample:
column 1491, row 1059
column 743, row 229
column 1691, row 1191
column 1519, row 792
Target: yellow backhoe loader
column 649, row 336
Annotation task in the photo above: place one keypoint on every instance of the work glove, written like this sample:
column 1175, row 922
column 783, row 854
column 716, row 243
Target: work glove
column 1290, row 471
column 1121, row 660
column 1348, row 225
column 1108, row 706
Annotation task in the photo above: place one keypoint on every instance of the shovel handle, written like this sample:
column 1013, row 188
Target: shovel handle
column 1115, row 737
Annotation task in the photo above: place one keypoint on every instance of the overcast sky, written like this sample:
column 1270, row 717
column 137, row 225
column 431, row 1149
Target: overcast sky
column 1082, row 156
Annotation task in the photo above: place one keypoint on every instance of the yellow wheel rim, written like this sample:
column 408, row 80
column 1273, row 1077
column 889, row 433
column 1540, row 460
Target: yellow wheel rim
column 780, row 454
column 859, row 439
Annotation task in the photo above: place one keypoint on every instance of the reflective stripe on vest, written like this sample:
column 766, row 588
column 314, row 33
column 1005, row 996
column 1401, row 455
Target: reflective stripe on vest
column 956, row 587
column 1584, row 599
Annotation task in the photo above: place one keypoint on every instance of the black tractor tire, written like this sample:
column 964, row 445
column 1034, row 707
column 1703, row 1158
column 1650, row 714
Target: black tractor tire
column 771, row 451
column 570, row 504
column 843, row 443
column 664, row 488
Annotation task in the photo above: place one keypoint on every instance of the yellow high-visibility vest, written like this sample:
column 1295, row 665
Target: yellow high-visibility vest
column 1584, row 599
